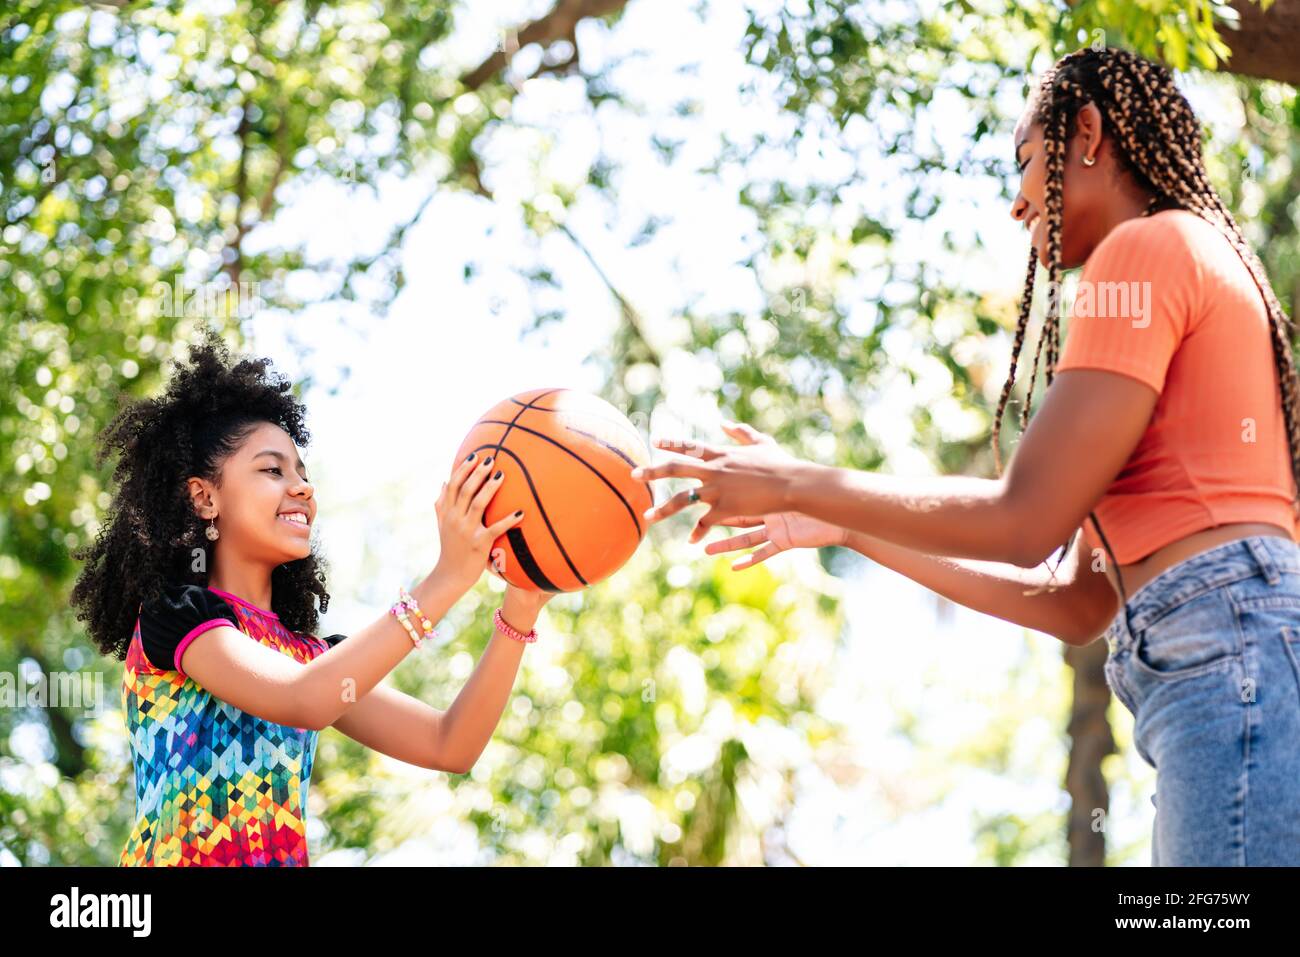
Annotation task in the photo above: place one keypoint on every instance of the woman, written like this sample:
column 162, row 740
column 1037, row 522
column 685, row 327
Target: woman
column 1171, row 415
column 209, row 545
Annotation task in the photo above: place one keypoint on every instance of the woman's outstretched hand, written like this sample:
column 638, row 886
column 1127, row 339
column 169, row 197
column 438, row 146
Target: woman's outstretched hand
column 748, row 479
column 465, row 541
column 778, row 532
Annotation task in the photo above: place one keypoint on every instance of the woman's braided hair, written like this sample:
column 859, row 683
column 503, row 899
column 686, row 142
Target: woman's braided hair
column 1157, row 138
column 152, row 534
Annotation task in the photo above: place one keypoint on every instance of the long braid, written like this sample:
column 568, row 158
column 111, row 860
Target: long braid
column 1158, row 140
column 1019, row 342
column 1189, row 186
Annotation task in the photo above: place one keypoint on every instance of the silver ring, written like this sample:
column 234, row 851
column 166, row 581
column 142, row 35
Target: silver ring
column 694, row 496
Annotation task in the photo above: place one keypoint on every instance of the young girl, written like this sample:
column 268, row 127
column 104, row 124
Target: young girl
column 209, row 545
column 1167, row 424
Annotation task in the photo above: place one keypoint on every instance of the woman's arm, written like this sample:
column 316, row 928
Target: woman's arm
column 1076, row 612
column 1089, row 423
column 405, row 728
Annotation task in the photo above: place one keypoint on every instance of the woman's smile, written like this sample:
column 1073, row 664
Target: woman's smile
column 1034, row 224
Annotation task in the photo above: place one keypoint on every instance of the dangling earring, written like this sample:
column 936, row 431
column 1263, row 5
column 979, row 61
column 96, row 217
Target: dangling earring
column 1089, row 161
column 211, row 530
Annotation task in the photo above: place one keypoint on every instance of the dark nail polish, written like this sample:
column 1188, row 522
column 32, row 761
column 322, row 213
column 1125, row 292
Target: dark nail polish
column 487, row 461
column 470, row 457
column 518, row 513
column 498, row 475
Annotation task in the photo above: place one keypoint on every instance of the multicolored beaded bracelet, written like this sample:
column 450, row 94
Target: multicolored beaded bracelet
column 514, row 633
column 398, row 610
column 413, row 606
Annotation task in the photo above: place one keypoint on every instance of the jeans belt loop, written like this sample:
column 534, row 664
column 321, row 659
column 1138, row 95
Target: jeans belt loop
column 1264, row 558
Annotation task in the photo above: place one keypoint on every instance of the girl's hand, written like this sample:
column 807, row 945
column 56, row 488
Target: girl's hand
column 750, row 479
column 780, row 531
column 521, row 606
column 465, row 541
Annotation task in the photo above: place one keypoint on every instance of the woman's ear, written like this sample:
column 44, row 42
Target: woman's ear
column 1088, row 134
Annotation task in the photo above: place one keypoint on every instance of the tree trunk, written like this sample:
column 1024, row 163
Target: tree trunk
column 1265, row 46
column 1090, row 741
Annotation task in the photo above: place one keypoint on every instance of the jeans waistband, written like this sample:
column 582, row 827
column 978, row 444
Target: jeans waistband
column 1269, row 555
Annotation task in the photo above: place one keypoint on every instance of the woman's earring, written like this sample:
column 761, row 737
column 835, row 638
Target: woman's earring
column 1089, row 161
column 211, row 530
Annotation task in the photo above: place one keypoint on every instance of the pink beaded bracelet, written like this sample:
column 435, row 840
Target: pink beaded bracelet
column 514, row 633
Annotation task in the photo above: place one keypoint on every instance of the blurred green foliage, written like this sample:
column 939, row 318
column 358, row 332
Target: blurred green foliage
column 147, row 143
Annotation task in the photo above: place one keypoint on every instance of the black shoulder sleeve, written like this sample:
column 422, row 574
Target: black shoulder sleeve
column 333, row 640
column 183, row 612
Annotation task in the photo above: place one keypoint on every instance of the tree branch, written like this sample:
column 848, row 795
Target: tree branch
column 560, row 24
column 1265, row 46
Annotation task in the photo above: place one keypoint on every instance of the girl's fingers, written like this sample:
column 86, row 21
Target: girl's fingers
column 480, row 501
column 463, row 468
column 501, row 527
column 757, row 537
column 753, row 558
column 473, row 482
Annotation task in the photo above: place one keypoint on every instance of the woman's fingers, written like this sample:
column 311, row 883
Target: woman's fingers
column 735, row 432
column 673, row 468
column 742, row 521
column 692, row 447
column 753, row 558
column 746, row 434
column 671, row 507
column 736, row 542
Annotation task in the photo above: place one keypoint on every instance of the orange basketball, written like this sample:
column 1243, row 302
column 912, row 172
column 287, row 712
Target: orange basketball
column 567, row 458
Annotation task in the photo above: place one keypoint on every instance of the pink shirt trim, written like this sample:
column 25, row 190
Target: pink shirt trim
column 191, row 635
column 247, row 604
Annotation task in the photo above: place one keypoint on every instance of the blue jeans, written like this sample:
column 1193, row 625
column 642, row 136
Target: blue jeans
column 1206, row 656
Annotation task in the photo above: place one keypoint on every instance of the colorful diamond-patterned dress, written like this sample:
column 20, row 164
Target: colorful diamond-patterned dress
column 214, row 785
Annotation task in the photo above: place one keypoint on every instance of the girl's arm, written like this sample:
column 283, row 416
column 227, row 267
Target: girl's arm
column 262, row 681
column 1076, row 612
column 404, row 727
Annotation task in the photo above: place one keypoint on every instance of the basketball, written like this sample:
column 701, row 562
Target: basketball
column 567, row 458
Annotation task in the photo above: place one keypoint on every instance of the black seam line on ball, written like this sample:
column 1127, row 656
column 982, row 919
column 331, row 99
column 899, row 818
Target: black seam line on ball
column 542, row 509
column 509, row 425
column 560, row 445
column 524, row 555
column 627, row 427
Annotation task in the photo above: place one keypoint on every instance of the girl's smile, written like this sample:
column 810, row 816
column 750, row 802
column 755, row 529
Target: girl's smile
column 297, row 517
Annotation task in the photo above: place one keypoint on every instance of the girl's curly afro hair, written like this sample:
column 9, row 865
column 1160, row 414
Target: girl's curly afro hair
column 152, row 531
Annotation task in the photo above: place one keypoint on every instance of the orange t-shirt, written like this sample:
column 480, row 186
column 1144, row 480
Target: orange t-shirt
column 1166, row 300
